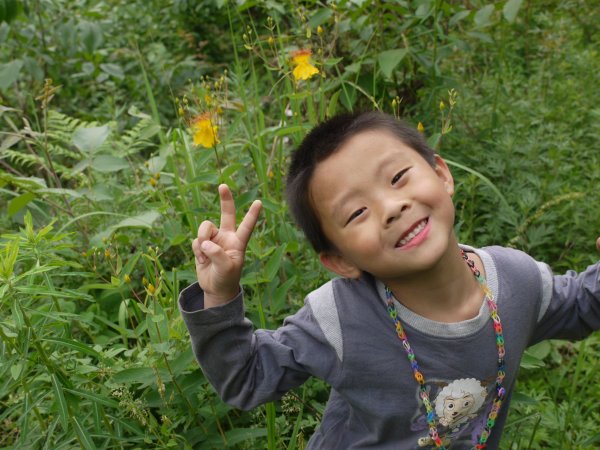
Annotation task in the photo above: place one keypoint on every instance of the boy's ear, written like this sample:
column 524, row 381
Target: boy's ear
column 338, row 264
column 443, row 171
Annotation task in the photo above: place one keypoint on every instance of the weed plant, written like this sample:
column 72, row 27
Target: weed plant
column 106, row 173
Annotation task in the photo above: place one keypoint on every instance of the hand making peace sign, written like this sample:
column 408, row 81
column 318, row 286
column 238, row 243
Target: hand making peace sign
column 220, row 251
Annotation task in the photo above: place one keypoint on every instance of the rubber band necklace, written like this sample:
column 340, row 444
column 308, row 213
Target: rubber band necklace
column 500, row 391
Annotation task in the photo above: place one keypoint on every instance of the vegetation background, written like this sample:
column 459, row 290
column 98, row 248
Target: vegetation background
column 120, row 118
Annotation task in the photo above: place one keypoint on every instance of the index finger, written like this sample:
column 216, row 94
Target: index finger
column 227, row 208
column 248, row 223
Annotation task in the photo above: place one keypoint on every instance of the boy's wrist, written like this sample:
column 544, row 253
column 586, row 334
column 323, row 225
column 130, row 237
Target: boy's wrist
column 213, row 300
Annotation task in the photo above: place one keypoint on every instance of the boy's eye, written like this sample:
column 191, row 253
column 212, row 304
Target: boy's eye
column 355, row 214
column 399, row 175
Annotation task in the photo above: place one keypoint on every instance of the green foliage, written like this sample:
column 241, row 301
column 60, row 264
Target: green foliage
column 102, row 188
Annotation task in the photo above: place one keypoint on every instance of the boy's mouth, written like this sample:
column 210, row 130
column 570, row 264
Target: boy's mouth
column 410, row 234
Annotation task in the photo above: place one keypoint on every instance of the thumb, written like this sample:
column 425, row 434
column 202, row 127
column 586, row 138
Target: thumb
column 216, row 255
column 598, row 244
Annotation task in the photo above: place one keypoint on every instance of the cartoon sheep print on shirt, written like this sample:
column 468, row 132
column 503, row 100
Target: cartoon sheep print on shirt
column 456, row 404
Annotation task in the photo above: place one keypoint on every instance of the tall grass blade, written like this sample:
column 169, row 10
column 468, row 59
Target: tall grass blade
column 63, row 409
column 84, row 438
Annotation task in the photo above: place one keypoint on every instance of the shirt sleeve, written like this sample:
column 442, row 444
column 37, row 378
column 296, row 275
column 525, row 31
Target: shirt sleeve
column 248, row 367
column 572, row 310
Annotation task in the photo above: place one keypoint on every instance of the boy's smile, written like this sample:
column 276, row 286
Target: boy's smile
column 384, row 208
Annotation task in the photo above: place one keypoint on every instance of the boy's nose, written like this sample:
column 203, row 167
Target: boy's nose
column 393, row 211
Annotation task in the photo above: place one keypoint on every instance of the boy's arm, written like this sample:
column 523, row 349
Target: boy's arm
column 245, row 366
column 573, row 311
column 248, row 367
column 220, row 251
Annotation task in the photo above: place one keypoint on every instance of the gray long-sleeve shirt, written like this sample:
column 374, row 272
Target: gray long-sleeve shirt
column 344, row 336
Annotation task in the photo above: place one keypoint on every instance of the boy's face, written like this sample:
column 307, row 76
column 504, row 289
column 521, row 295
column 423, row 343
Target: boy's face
column 383, row 207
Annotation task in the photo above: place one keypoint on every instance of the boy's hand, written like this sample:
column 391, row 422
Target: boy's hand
column 220, row 251
column 598, row 244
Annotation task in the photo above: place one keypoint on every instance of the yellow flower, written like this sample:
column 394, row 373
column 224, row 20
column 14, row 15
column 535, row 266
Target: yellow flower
column 319, row 30
column 204, row 131
column 151, row 289
column 303, row 69
column 127, row 278
column 420, row 128
column 152, row 182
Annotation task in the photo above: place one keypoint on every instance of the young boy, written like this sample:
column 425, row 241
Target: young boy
column 420, row 338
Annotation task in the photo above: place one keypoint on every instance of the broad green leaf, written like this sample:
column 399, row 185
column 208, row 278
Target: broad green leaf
column 96, row 398
column 144, row 220
column 8, row 10
column 91, row 36
column 333, row 102
column 156, row 164
column 236, row 436
column 90, row 139
column 183, row 361
column 458, row 17
column 320, row 17
column 511, row 9
column 482, row 17
column 540, row 350
column 109, row 163
column 274, row 262
column 9, row 73
column 519, row 397
column 158, row 328
column 90, row 286
column 528, row 361
column 10, row 140
column 57, row 191
column 75, row 345
column 17, row 316
column 63, row 410
column 424, row 10
column 389, row 59
column 434, row 140
column 481, row 36
column 142, row 375
column 19, row 202
column 43, row 291
column 81, row 166
column 8, row 258
column 113, row 69
column 332, row 61
column 15, row 370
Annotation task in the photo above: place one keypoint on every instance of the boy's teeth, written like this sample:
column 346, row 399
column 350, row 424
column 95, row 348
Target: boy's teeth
column 413, row 233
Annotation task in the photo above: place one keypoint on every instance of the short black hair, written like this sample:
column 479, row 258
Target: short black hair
column 322, row 142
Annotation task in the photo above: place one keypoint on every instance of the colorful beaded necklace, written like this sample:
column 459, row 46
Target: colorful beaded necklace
column 500, row 391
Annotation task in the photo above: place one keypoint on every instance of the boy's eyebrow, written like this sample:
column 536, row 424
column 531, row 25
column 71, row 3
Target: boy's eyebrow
column 339, row 204
column 391, row 158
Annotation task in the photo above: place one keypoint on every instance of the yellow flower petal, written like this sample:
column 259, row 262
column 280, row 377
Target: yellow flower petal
column 204, row 132
column 303, row 69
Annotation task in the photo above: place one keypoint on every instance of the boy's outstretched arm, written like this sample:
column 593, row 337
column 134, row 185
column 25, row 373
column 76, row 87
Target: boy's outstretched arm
column 220, row 251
